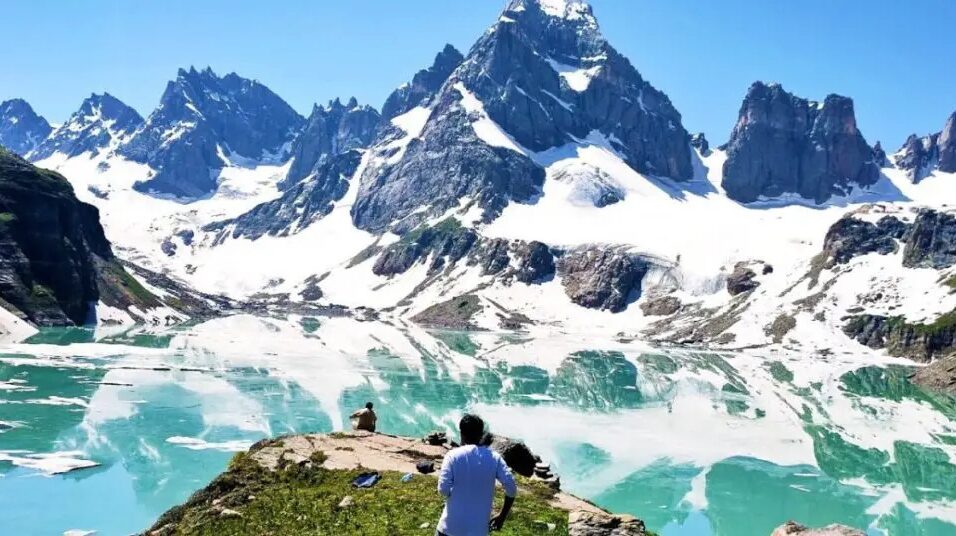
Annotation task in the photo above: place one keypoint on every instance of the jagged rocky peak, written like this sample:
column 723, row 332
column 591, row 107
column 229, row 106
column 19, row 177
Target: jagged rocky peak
column 783, row 144
column 101, row 122
column 21, row 129
column 920, row 156
column 424, row 84
column 541, row 77
column 329, row 131
column 699, row 141
column 203, row 123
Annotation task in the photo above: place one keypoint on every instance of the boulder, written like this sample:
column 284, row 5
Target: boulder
column 741, row 280
column 602, row 278
column 794, row 529
column 939, row 375
column 661, row 306
column 850, row 237
column 516, row 454
column 584, row 523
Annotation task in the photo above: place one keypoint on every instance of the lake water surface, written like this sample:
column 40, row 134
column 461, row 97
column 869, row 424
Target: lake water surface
column 694, row 443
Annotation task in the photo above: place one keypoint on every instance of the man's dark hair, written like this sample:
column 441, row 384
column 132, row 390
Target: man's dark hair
column 472, row 429
column 368, row 405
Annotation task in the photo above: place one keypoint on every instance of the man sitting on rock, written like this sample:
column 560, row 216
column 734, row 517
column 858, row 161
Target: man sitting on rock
column 467, row 481
column 365, row 419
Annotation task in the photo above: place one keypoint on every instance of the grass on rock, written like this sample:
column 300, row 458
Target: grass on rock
column 298, row 500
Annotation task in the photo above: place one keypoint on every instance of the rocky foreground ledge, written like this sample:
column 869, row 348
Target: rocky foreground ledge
column 302, row 485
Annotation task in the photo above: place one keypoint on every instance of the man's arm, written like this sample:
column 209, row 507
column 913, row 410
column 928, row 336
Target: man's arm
column 446, row 478
column 511, row 491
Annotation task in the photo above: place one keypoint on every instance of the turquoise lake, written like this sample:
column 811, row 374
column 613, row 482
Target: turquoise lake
column 695, row 443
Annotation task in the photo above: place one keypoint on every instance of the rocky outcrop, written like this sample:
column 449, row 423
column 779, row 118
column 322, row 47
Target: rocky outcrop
column 21, row 129
column 424, row 85
column 920, row 156
column 599, row 524
column 303, row 204
column 203, row 122
column 851, row 237
column 317, row 470
column 919, row 341
column 55, row 261
column 795, row 529
column 661, row 306
column 939, row 376
column 454, row 314
column 742, row 279
column 541, row 77
column 102, row 122
column 699, row 141
column 445, row 242
column 602, row 278
column 931, row 241
column 330, row 131
column 879, row 155
column 783, row 144
column 535, row 262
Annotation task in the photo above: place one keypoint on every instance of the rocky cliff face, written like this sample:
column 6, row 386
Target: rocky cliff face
column 21, row 129
column 55, row 261
column 602, row 278
column 102, row 122
column 783, row 144
column 330, row 130
column 921, row 156
column 541, row 77
column 302, row 204
column 931, row 241
column 424, row 85
column 202, row 122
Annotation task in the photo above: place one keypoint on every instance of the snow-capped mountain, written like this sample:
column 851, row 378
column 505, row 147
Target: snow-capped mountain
column 921, row 156
column 539, row 180
column 21, row 129
column 205, row 122
column 102, row 123
column 329, row 131
column 541, row 78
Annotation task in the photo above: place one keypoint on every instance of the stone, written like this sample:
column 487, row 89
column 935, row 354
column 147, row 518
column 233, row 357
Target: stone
column 661, row 306
column 516, row 454
column 931, row 241
column 699, row 141
column 346, row 502
column 851, row 237
column 794, row 529
column 783, row 144
column 601, row 277
column 939, row 376
column 583, row 523
column 741, row 280
column 920, row 156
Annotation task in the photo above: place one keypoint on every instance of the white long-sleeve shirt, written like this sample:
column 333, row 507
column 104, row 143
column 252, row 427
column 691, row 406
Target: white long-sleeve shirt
column 467, row 480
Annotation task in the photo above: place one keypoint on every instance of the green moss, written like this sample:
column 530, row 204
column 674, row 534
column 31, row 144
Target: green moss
column 950, row 282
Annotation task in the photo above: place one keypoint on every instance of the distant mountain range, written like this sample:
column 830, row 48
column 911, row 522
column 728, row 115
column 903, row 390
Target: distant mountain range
column 537, row 179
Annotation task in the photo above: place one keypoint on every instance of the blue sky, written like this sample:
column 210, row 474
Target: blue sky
column 895, row 59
